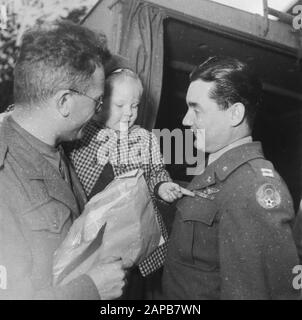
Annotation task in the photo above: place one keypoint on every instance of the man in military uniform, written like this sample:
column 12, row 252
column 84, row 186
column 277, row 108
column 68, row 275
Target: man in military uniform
column 233, row 240
column 58, row 88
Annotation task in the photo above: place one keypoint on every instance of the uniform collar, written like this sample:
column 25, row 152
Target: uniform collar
column 227, row 163
column 3, row 142
column 236, row 157
column 219, row 153
column 3, row 150
column 29, row 159
column 106, row 131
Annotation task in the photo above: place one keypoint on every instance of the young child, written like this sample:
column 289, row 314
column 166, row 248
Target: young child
column 113, row 145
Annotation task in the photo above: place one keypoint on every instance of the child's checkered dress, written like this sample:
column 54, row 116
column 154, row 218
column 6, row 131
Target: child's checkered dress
column 125, row 152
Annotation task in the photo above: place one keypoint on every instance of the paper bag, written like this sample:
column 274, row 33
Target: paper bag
column 118, row 222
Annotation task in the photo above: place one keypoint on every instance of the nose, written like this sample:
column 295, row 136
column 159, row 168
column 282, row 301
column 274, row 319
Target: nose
column 128, row 111
column 188, row 119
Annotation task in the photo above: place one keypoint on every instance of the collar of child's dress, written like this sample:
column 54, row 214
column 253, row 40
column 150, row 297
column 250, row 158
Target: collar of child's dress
column 107, row 132
column 118, row 131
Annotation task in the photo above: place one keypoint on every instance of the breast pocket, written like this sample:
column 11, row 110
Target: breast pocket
column 201, row 215
column 50, row 216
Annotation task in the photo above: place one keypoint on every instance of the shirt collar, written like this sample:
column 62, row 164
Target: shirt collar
column 227, row 163
column 214, row 156
column 41, row 146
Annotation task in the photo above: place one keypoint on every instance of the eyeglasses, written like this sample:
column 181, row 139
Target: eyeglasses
column 98, row 102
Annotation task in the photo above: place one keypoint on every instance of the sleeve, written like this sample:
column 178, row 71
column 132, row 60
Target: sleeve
column 256, row 247
column 158, row 173
column 81, row 288
column 16, row 269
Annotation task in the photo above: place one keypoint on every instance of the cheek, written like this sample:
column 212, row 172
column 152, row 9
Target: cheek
column 221, row 122
column 115, row 113
column 217, row 128
column 199, row 121
column 82, row 114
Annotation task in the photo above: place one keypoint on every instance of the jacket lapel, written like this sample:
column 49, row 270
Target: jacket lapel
column 226, row 164
column 78, row 190
column 58, row 189
column 207, row 178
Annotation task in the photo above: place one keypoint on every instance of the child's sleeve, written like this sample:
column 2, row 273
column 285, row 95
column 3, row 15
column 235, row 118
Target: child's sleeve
column 158, row 173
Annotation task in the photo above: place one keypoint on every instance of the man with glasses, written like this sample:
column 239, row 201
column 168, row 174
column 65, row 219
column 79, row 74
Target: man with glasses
column 58, row 88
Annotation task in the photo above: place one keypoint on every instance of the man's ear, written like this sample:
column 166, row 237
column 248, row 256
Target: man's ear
column 63, row 102
column 237, row 113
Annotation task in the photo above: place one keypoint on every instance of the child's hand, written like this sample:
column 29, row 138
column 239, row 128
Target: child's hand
column 170, row 191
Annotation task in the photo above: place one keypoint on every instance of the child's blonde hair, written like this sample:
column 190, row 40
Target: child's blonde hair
column 120, row 74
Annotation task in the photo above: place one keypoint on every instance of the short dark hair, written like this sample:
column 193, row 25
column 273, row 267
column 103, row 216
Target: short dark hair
column 234, row 82
column 57, row 56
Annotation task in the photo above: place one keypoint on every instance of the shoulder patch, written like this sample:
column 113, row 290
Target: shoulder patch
column 268, row 196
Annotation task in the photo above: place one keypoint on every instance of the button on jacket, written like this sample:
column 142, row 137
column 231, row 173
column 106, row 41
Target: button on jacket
column 37, row 208
column 233, row 240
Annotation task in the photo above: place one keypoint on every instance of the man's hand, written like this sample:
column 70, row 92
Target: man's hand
column 109, row 277
column 170, row 191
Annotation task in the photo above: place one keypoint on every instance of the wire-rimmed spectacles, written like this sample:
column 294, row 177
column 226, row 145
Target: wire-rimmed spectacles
column 98, row 102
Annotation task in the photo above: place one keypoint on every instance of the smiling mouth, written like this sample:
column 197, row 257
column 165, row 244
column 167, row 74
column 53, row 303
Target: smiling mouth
column 124, row 121
column 194, row 131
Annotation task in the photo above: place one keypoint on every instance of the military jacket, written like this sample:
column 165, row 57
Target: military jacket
column 233, row 240
column 37, row 208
